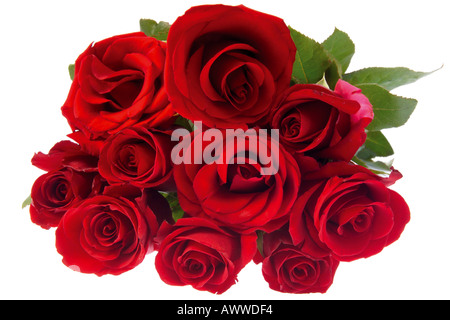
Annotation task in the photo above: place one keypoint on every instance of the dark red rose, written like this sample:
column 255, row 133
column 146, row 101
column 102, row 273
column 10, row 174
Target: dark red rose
column 111, row 233
column 225, row 64
column 118, row 83
column 138, row 156
column 53, row 193
column 71, row 177
column 287, row 268
column 199, row 253
column 319, row 122
column 241, row 188
column 347, row 211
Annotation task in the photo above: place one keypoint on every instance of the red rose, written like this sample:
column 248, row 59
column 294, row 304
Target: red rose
column 71, row 177
column 287, row 268
column 65, row 154
column 319, row 122
column 347, row 211
column 235, row 190
column 138, row 156
column 199, row 253
column 55, row 192
column 111, row 233
column 225, row 65
column 118, row 83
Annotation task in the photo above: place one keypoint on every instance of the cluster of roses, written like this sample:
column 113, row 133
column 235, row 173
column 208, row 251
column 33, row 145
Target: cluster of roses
column 110, row 194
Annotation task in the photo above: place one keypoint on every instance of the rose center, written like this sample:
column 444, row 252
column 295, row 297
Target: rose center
column 291, row 125
column 124, row 95
column 127, row 157
column 58, row 192
column 237, row 87
column 359, row 223
column 135, row 159
column 61, row 191
column 246, row 178
column 193, row 266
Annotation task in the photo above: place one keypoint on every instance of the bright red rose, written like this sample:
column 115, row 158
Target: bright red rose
column 241, row 188
column 111, row 233
column 225, row 64
column 347, row 211
column 138, row 156
column 118, row 83
column 71, row 177
column 287, row 268
column 199, row 253
column 317, row 121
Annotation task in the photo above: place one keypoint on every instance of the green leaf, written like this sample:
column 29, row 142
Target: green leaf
column 177, row 212
column 185, row 123
column 390, row 110
column 172, row 199
column 341, row 47
column 26, row 202
column 311, row 59
column 388, row 78
column 377, row 167
column 157, row 30
column 260, row 241
column 376, row 145
column 333, row 74
column 71, row 71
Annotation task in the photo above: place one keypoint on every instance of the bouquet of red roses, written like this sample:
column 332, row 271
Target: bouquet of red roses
column 223, row 139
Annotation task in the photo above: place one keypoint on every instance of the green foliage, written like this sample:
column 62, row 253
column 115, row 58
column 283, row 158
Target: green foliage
column 71, row 71
column 157, row 30
column 388, row 78
column 172, row 199
column 26, row 202
column 340, row 49
column 311, row 59
column 390, row 110
column 376, row 145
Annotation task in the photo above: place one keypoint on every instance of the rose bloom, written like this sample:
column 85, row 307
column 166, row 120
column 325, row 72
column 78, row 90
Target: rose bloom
column 111, row 233
column 199, row 253
column 345, row 210
column 138, row 156
column 53, row 193
column 226, row 64
column 118, row 83
column 71, row 176
column 287, row 268
column 235, row 190
column 319, row 122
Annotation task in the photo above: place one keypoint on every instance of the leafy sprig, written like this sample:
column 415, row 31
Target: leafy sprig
column 329, row 61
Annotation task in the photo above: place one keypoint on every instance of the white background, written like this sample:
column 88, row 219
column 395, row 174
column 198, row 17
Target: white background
column 39, row 39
